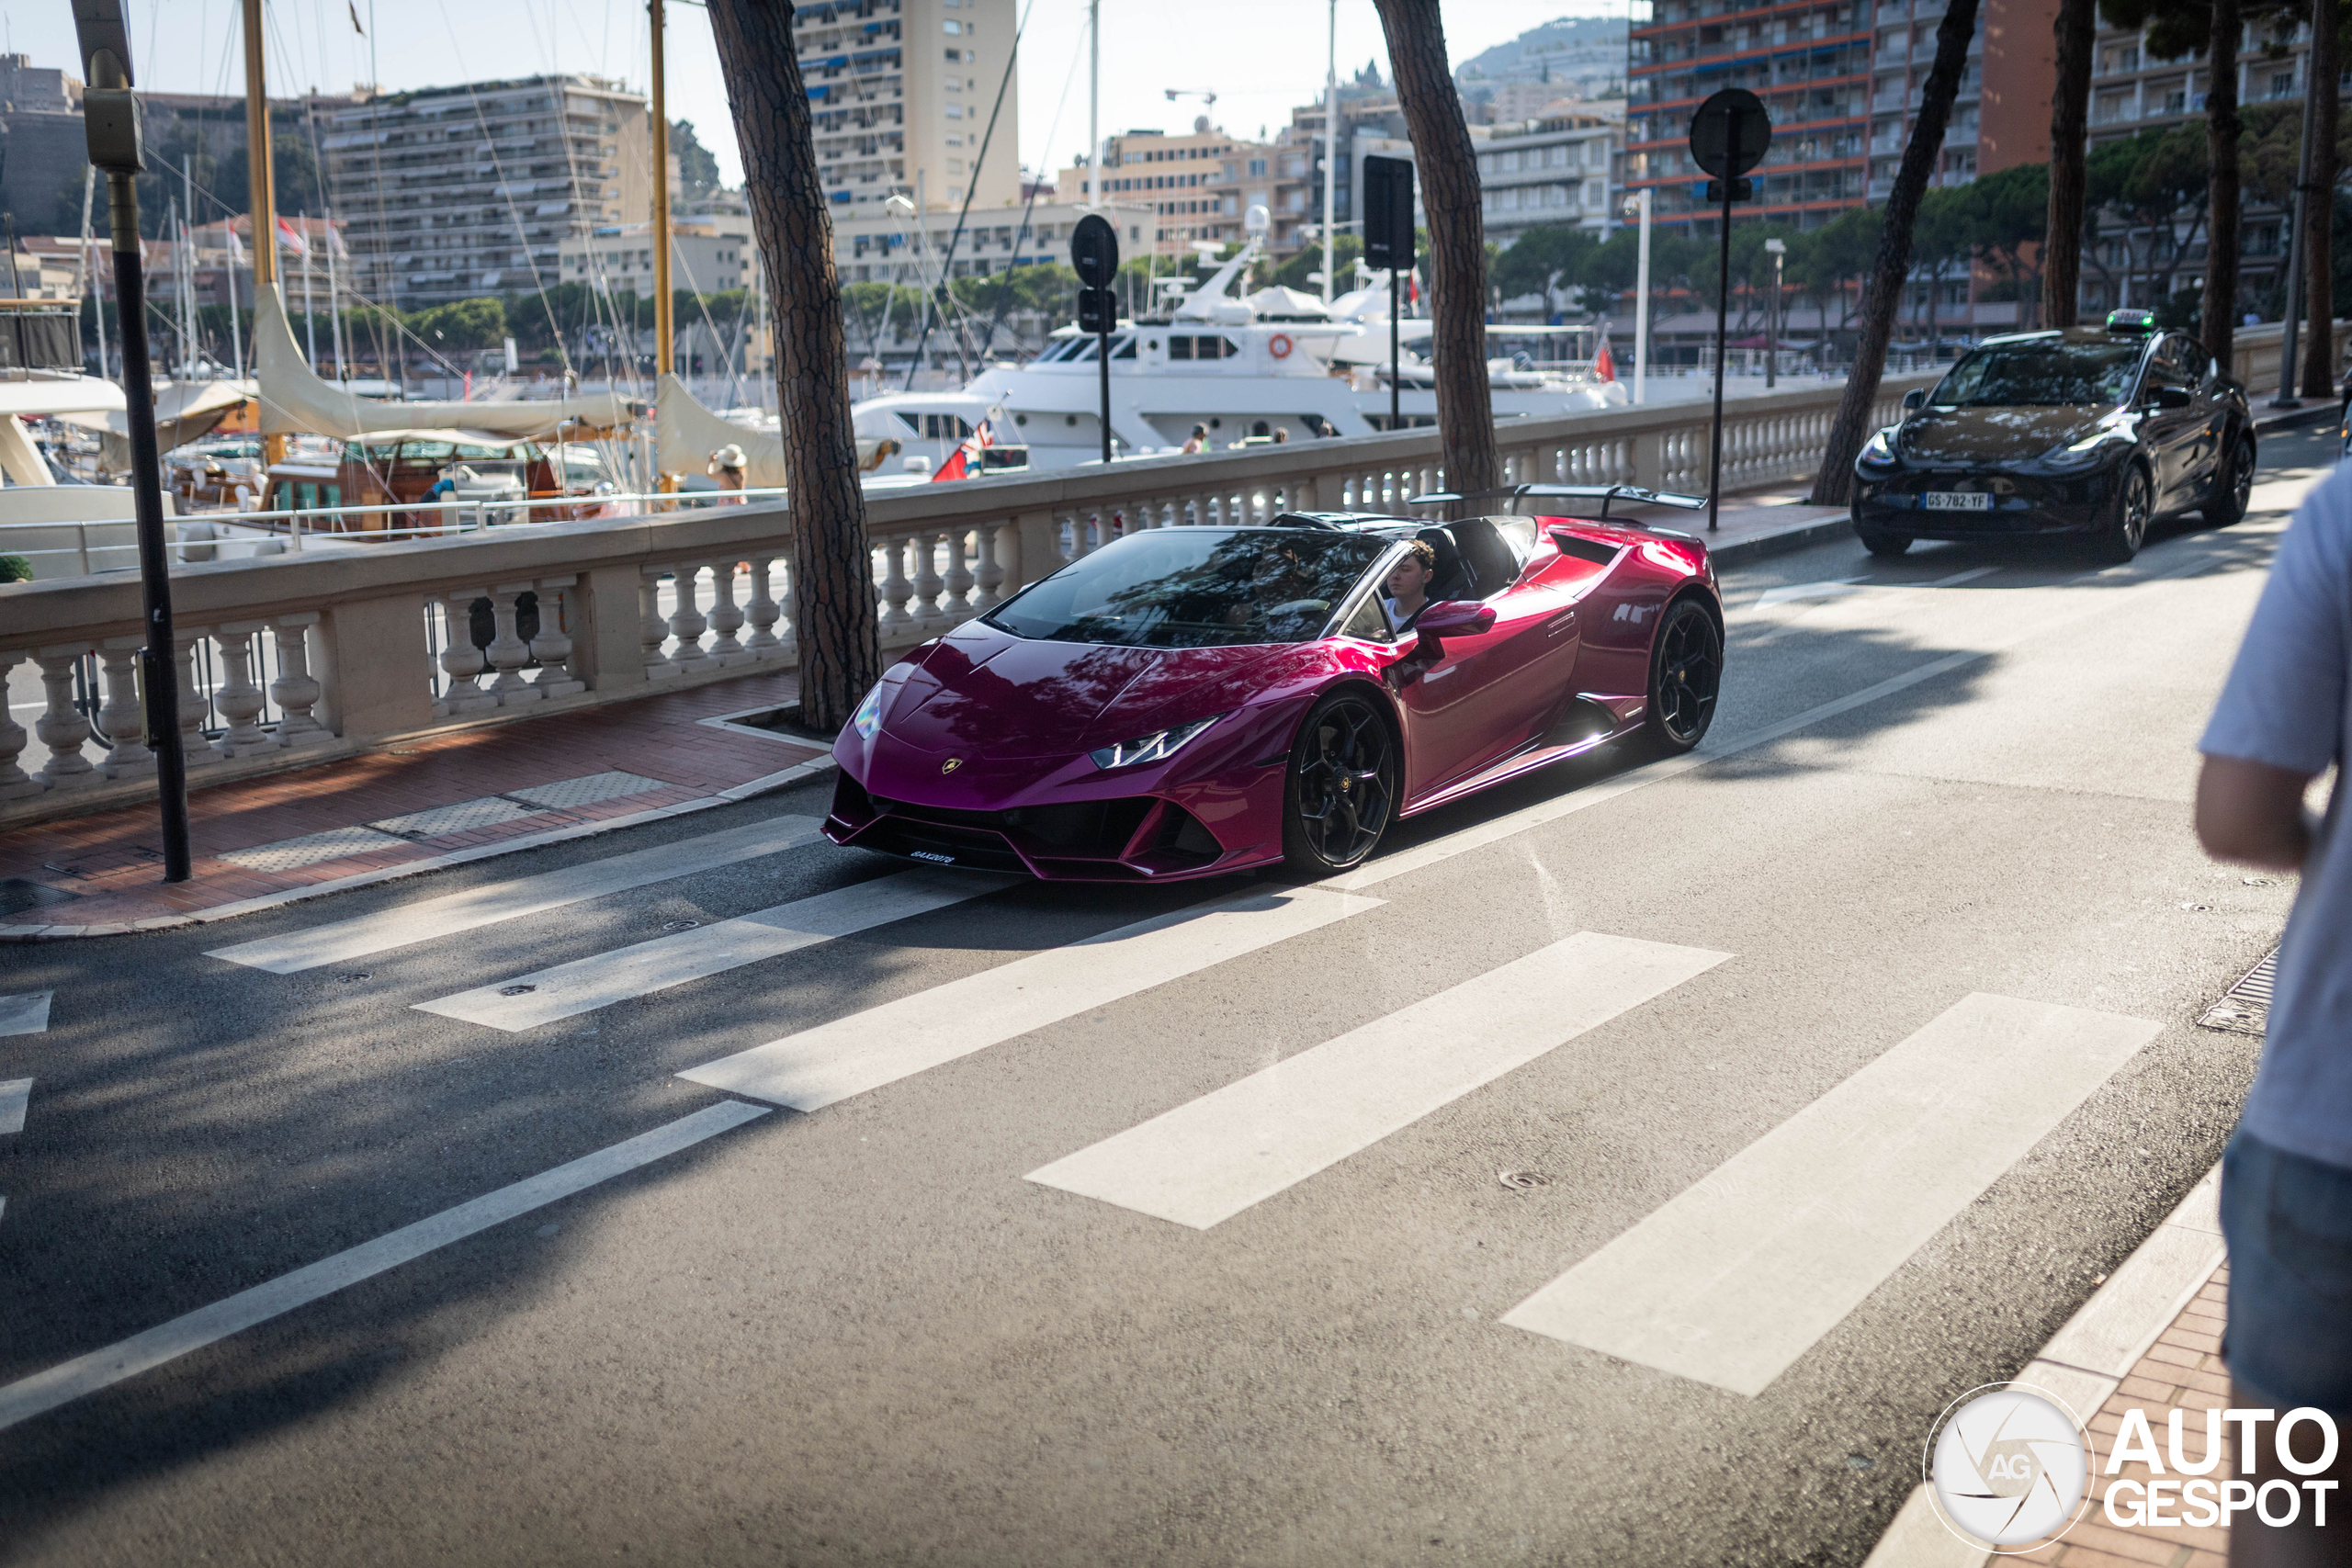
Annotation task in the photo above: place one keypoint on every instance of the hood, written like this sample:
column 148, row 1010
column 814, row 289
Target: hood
column 1993, row 434
column 989, row 696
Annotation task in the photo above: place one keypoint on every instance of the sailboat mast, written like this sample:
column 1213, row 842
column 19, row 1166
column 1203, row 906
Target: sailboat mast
column 1331, row 151
column 1093, row 104
column 187, row 212
column 258, row 165
column 89, row 276
column 663, row 329
column 334, row 309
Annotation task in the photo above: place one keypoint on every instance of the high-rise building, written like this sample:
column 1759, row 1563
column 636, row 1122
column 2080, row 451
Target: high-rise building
column 450, row 193
column 902, row 93
column 1560, row 171
column 1198, row 185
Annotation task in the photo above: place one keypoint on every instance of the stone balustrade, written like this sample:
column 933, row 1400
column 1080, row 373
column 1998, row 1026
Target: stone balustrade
column 310, row 657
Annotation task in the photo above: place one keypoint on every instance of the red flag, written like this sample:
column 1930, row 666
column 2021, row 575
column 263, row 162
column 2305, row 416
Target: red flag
column 1604, row 368
column 291, row 238
column 1412, row 288
column 958, row 465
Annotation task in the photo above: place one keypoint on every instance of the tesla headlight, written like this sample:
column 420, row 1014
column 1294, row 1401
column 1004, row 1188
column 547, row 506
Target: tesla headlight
column 1156, row 747
column 2090, row 452
column 1878, row 452
column 869, row 716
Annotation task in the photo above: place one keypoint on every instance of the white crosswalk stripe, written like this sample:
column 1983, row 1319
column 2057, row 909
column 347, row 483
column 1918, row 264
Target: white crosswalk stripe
column 587, row 984
column 25, row 1013
column 404, row 924
column 850, row 1056
column 1739, row 1275
column 1208, row 1160
column 14, row 1095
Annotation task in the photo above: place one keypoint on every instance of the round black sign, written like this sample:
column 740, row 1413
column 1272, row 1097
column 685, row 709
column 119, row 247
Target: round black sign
column 1094, row 250
column 1730, row 132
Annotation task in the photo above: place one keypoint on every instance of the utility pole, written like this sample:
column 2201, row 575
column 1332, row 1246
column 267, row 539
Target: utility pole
column 1331, row 153
column 1637, row 207
column 110, row 122
column 1778, row 250
column 1094, row 104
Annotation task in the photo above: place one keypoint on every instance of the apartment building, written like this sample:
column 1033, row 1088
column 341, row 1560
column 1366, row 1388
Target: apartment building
column 893, row 247
column 1562, row 170
column 902, row 92
column 1809, row 62
column 707, row 257
column 451, row 192
column 1199, row 186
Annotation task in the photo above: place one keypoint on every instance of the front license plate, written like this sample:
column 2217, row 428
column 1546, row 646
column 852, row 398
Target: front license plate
column 1957, row 501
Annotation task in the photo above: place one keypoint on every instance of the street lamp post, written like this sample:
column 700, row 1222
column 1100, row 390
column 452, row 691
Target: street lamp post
column 1778, row 250
column 1637, row 207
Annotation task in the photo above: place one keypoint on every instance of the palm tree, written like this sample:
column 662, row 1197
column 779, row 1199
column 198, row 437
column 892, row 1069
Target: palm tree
column 832, row 575
column 1835, row 482
column 1448, row 167
column 2062, row 250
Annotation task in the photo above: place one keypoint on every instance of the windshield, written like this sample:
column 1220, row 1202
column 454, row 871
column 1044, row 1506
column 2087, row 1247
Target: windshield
column 1196, row 588
column 2041, row 374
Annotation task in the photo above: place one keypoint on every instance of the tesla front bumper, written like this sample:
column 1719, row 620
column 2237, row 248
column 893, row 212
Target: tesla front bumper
column 2020, row 505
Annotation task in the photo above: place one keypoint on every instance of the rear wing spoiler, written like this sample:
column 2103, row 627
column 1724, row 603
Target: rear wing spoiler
column 1602, row 494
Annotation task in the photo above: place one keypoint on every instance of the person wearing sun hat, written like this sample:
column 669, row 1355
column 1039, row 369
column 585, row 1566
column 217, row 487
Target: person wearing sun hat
column 727, row 467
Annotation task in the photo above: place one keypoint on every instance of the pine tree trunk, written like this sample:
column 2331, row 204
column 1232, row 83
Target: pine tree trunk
column 1447, row 171
column 1835, row 482
column 2062, row 246
column 833, row 574
column 2319, row 209
column 2221, row 129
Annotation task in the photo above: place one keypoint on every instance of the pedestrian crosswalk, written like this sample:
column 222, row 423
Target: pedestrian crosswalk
column 1208, row 1160
column 567, row 990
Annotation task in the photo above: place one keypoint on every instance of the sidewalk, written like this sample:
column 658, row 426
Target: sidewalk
column 426, row 803
column 2149, row 1338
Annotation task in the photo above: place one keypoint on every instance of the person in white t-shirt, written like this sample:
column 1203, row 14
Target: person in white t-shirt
column 1408, row 584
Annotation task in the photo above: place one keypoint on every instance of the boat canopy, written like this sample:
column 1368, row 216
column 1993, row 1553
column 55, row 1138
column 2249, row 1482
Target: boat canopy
column 296, row 400
column 686, row 433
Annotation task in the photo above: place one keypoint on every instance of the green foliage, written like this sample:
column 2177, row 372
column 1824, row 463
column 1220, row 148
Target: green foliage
column 460, row 325
column 16, row 568
column 1545, row 259
column 697, row 169
column 1292, row 274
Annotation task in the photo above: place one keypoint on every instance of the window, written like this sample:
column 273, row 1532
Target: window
column 1370, row 622
column 951, row 27
column 954, row 111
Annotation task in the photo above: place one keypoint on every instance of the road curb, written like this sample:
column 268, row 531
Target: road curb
column 767, row 783
column 2090, row 1357
column 2289, row 419
column 1798, row 536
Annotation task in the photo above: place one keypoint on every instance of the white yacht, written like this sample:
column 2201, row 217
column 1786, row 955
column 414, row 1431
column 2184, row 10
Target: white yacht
column 1241, row 369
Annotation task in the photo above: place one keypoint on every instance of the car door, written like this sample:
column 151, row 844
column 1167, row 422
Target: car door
column 2212, row 412
column 2171, row 434
column 1481, row 697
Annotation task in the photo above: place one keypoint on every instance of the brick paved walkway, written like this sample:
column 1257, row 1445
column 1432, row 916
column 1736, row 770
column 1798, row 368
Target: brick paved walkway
column 105, row 869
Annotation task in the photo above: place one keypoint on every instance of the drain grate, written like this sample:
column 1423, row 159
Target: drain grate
column 2244, row 1008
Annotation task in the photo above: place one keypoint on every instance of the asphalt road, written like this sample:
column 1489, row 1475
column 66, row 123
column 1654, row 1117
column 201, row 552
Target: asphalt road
column 858, row 1335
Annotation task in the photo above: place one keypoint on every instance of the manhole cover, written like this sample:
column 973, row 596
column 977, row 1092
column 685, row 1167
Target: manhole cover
column 2244, row 1008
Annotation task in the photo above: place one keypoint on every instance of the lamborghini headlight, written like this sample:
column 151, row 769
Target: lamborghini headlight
column 1878, row 452
column 869, row 716
column 1156, row 747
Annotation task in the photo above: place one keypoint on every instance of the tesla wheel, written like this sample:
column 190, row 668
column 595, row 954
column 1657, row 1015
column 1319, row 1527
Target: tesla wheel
column 1686, row 672
column 1341, row 792
column 1879, row 542
column 2127, row 525
column 2232, row 487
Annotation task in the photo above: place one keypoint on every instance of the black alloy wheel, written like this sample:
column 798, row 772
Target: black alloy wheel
column 1686, row 673
column 2232, row 487
column 1341, row 792
column 2127, row 525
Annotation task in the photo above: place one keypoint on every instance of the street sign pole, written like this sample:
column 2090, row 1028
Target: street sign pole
column 1095, row 256
column 1388, row 242
column 110, row 121
column 1728, row 137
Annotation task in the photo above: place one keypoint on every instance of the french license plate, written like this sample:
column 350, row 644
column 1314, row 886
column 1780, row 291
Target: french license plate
column 1957, row 501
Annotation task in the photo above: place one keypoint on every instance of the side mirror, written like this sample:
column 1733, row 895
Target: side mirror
column 2173, row 398
column 1917, row 398
column 1456, row 617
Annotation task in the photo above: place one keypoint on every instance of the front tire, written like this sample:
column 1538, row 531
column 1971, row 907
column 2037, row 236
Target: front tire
column 1340, row 791
column 2127, row 524
column 2232, row 487
column 1879, row 542
column 1685, row 674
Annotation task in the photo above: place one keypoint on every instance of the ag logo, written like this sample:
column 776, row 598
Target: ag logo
column 2008, row 1467
column 950, row 765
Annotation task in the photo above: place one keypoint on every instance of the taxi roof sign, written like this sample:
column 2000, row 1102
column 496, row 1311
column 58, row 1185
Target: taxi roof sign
column 2131, row 321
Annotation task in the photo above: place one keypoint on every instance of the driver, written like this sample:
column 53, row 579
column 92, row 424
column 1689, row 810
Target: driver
column 1408, row 584
column 1280, row 583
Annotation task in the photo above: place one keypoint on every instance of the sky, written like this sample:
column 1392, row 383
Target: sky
column 1261, row 57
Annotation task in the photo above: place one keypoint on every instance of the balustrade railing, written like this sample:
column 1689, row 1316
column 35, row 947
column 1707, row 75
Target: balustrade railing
column 307, row 654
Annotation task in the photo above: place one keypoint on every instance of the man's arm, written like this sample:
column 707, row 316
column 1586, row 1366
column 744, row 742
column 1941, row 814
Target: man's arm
column 2253, row 813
